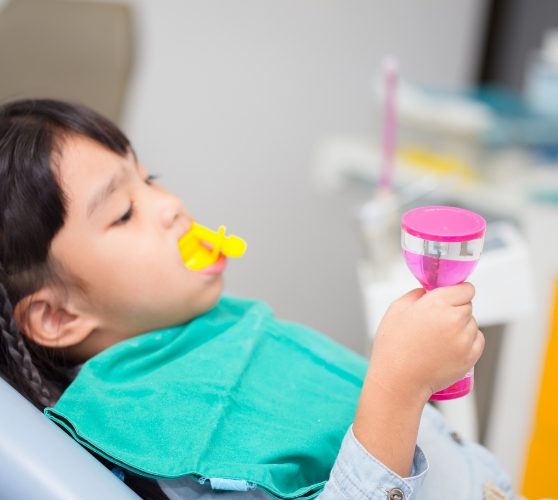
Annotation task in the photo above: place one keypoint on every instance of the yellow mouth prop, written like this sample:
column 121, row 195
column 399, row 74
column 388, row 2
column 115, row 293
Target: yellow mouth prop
column 194, row 244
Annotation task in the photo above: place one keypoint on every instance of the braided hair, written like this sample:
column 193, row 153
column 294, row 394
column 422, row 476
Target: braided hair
column 19, row 359
column 32, row 211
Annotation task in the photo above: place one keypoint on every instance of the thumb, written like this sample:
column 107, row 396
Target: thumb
column 408, row 299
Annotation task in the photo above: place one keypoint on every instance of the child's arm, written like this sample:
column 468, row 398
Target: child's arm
column 425, row 343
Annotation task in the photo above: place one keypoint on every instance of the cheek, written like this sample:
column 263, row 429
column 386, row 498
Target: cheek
column 168, row 299
column 149, row 279
column 139, row 278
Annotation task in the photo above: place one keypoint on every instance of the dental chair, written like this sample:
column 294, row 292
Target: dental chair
column 39, row 461
column 80, row 51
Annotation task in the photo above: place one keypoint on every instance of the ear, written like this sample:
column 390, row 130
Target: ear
column 50, row 320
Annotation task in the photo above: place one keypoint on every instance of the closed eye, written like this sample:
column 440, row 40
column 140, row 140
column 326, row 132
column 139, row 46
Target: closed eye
column 150, row 179
column 126, row 217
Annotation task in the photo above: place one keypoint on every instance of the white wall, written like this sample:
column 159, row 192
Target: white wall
column 230, row 99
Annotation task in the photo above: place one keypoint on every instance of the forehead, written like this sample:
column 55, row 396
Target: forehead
column 85, row 164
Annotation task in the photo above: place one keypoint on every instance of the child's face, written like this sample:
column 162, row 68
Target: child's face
column 120, row 239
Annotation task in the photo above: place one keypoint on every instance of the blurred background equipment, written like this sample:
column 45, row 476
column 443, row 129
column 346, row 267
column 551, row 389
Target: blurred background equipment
column 490, row 146
column 514, row 32
column 78, row 51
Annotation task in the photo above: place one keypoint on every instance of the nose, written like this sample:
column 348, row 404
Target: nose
column 172, row 212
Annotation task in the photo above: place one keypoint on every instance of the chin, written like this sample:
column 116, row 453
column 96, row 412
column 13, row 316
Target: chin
column 215, row 293
column 210, row 297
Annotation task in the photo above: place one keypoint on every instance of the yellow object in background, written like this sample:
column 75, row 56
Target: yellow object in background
column 541, row 472
column 197, row 255
column 434, row 163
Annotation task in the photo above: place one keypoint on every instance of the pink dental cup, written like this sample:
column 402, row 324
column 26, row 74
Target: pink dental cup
column 442, row 246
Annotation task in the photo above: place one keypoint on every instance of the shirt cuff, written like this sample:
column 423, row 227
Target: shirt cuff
column 360, row 476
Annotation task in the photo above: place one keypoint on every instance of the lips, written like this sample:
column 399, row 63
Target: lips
column 216, row 268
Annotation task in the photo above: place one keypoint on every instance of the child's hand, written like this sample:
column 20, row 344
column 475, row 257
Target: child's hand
column 426, row 342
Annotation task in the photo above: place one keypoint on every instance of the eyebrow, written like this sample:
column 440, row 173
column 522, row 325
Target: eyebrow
column 102, row 194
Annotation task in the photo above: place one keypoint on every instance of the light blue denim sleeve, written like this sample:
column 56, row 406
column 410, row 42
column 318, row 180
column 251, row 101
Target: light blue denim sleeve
column 458, row 468
column 357, row 475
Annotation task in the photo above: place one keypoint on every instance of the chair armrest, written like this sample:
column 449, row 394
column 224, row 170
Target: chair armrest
column 38, row 460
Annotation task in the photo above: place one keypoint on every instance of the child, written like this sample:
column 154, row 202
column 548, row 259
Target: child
column 89, row 263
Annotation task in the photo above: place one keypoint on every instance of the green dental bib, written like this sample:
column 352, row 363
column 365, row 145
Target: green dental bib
column 234, row 394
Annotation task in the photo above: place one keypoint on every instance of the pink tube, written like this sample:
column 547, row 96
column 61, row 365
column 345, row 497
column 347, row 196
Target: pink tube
column 390, row 73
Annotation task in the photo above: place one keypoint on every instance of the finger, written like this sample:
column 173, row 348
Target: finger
column 408, row 299
column 457, row 295
column 471, row 328
column 465, row 311
column 478, row 346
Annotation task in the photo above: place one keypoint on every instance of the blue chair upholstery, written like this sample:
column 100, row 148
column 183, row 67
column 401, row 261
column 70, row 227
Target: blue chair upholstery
column 40, row 461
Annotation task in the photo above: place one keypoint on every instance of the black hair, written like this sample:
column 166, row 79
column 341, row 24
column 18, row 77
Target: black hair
column 32, row 211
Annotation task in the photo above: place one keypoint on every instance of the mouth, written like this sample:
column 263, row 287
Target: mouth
column 217, row 268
